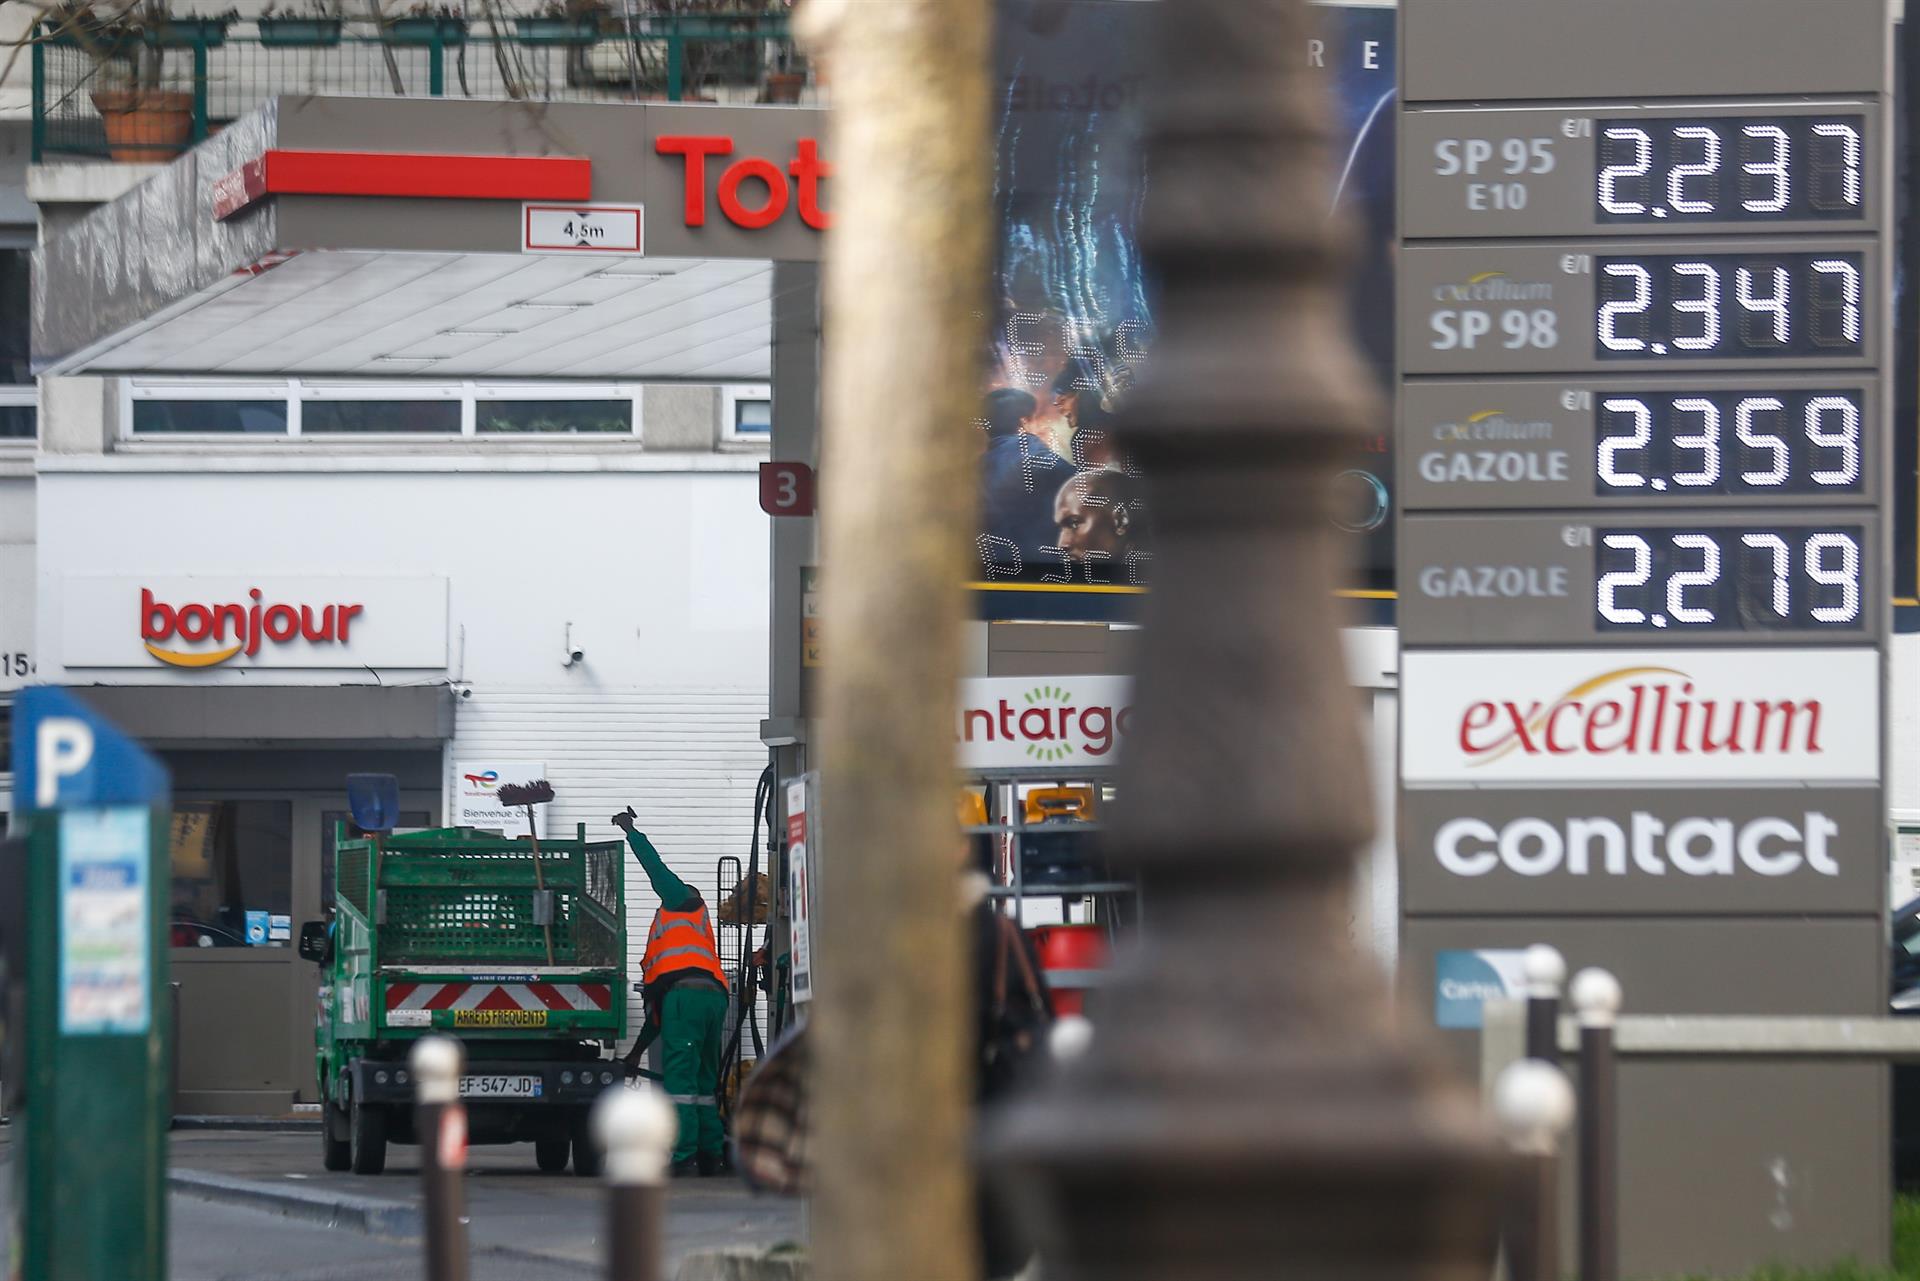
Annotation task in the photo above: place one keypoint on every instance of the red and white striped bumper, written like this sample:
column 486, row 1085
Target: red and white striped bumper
column 412, row 1004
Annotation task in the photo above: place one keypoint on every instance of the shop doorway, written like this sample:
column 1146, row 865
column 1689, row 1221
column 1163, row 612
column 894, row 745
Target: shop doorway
column 249, row 865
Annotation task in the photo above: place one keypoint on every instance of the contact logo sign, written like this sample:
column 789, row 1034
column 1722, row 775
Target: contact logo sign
column 1641, row 850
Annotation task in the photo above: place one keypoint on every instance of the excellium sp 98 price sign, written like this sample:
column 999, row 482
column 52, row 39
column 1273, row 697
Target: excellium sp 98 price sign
column 1644, row 313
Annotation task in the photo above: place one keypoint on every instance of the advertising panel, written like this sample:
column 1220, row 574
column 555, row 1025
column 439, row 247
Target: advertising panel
column 1590, row 716
column 476, row 803
column 1015, row 722
column 1064, row 510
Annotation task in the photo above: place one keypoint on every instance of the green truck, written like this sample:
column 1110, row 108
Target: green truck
column 459, row 932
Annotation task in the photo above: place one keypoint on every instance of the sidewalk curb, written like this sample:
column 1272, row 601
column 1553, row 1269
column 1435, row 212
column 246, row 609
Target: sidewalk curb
column 331, row 1209
column 250, row 1124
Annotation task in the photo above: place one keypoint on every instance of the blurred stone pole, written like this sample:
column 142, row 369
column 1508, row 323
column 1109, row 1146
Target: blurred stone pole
column 1248, row 1108
column 906, row 279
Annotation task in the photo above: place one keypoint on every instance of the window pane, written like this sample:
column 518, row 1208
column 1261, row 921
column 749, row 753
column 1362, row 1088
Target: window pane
column 554, row 416
column 18, row 422
column 752, row 417
column 252, row 416
column 231, row 859
column 16, row 312
column 442, row 417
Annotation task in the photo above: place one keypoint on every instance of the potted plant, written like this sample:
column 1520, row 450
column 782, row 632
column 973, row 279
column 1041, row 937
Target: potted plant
column 567, row 22
column 147, row 116
column 785, row 82
column 426, row 23
column 312, row 25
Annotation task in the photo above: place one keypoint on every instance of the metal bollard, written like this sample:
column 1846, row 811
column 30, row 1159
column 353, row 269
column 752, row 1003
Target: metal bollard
column 637, row 1129
column 1534, row 1104
column 1596, row 1001
column 1546, row 970
column 440, row 1125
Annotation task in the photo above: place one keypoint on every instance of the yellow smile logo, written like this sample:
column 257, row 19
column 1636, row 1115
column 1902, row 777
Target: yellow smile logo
column 178, row 658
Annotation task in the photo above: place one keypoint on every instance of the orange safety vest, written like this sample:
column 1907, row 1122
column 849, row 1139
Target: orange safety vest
column 681, row 941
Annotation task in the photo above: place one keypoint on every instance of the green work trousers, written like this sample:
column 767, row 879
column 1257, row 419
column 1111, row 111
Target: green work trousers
column 692, row 1019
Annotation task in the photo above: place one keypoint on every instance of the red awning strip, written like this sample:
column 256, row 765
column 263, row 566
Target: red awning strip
column 371, row 173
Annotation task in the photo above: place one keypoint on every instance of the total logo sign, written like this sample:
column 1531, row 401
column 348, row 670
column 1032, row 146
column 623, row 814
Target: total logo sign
column 1571, row 716
column 1010, row 722
column 230, row 623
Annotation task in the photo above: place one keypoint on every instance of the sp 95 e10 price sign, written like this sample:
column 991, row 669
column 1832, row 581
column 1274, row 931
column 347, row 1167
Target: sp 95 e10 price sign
column 1652, row 170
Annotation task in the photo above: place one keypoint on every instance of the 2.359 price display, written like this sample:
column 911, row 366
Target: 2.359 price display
column 1651, row 444
column 1765, row 578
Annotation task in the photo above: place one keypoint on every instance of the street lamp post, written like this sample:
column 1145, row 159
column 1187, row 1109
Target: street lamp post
column 1249, row 1107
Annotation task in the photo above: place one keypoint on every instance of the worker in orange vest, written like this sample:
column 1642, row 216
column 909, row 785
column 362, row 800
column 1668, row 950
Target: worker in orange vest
column 686, row 1006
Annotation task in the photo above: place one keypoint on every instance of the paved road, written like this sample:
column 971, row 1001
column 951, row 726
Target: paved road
column 523, row 1225
column 510, row 1204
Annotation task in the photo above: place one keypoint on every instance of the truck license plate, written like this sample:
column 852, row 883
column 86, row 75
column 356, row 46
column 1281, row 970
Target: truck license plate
column 503, row 1087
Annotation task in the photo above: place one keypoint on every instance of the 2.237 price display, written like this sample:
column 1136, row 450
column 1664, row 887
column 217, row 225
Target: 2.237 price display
column 1739, row 578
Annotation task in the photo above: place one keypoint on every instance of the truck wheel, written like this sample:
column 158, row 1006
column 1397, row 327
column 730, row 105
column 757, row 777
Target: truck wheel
column 367, row 1136
column 589, row 1162
column 550, row 1155
column 336, row 1150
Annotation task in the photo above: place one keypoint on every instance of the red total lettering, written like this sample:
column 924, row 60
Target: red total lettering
column 807, row 168
column 766, row 215
column 696, row 148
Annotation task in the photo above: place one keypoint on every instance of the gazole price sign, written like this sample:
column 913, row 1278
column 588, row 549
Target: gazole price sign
column 1644, row 314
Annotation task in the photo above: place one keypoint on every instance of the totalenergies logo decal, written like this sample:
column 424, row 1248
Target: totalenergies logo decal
column 230, row 629
column 484, row 781
column 1641, row 712
column 1050, row 725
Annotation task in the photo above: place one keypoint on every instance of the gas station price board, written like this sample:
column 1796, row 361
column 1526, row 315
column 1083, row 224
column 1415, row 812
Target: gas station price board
column 1643, row 327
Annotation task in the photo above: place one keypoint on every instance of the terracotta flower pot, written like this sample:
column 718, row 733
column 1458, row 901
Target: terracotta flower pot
column 145, row 126
column 784, row 86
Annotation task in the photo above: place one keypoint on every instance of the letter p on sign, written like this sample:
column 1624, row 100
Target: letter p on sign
column 63, row 748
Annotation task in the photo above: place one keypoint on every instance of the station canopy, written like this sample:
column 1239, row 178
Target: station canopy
column 380, row 237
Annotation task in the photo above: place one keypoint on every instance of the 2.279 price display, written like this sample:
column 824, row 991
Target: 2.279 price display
column 1740, row 578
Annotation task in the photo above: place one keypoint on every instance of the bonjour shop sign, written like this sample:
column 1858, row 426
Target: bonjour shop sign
column 232, row 623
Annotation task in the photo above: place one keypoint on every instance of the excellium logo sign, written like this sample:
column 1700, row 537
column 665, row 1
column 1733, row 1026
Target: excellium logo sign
column 1570, row 716
column 223, row 630
column 1005, row 722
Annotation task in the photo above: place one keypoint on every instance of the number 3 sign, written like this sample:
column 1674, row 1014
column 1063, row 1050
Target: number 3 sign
column 786, row 489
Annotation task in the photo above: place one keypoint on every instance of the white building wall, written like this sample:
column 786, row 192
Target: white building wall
column 661, row 574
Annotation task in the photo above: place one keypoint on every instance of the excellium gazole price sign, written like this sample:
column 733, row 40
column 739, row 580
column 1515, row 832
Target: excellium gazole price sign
column 1644, row 314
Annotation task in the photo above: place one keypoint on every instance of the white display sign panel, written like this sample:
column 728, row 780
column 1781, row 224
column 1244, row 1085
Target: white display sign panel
column 1580, row 716
column 552, row 229
column 1014, row 722
column 476, row 803
column 237, row 622
column 799, row 893
column 104, row 945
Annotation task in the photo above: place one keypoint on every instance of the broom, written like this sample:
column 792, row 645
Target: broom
column 538, row 792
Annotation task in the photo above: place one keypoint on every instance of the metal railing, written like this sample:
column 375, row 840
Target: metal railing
column 188, row 82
